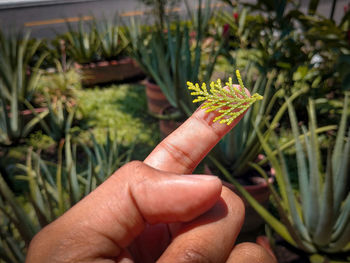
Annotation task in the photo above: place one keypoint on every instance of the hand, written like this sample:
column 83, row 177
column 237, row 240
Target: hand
column 149, row 211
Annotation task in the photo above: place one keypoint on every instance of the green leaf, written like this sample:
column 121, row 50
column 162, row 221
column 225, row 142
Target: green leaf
column 315, row 176
column 265, row 214
column 313, row 4
column 301, row 164
column 230, row 102
column 324, row 228
column 25, row 227
column 340, row 158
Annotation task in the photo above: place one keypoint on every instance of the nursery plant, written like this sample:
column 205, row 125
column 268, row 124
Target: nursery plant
column 111, row 37
column 17, row 85
column 17, row 77
column 82, row 42
column 314, row 219
column 173, row 58
column 52, row 189
column 59, row 117
column 57, row 92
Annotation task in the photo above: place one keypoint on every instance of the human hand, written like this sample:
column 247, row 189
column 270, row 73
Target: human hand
column 149, row 211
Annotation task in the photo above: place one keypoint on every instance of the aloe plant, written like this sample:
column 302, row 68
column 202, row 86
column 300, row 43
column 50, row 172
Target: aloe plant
column 316, row 219
column 111, row 38
column 17, row 85
column 171, row 58
column 59, row 118
column 17, row 78
column 52, row 189
column 82, row 43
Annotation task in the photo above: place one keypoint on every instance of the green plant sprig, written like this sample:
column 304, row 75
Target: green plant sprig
column 230, row 101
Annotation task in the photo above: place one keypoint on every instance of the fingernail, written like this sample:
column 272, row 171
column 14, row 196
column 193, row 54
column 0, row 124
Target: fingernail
column 202, row 177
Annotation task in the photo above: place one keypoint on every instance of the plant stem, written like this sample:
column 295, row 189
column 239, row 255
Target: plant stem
column 334, row 3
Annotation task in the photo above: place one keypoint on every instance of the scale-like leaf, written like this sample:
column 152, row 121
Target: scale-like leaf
column 229, row 101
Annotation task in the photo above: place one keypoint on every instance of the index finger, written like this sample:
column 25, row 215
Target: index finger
column 183, row 149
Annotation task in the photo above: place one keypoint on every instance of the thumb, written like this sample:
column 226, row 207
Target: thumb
column 136, row 194
column 140, row 194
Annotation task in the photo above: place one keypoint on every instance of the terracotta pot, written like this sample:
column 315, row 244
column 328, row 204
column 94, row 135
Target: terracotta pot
column 27, row 115
column 260, row 191
column 107, row 72
column 168, row 126
column 156, row 100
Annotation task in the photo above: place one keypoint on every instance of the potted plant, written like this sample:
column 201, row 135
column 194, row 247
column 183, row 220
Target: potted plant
column 172, row 58
column 97, row 50
column 17, row 85
column 314, row 219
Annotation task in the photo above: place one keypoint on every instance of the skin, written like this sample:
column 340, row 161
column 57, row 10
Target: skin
column 155, row 211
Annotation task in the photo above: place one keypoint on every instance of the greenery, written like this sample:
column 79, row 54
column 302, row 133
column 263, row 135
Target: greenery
column 95, row 41
column 52, row 157
column 316, row 218
column 122, row 109
column 17, row 87
column 229, row 103
column 173, row 57
column 52, row 189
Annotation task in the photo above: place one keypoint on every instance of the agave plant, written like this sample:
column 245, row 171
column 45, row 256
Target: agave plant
column 17, row 85
column 111, row 38
column 316, row 219
column 83, row 44
column 18, row 79
column 59, row 118
column 171, row 58
column 52, row 189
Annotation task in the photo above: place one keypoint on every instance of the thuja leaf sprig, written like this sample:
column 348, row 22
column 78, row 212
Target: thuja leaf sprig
column 230, row 101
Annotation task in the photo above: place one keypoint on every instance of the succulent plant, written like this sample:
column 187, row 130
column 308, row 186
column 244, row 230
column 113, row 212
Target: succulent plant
column 315, row 219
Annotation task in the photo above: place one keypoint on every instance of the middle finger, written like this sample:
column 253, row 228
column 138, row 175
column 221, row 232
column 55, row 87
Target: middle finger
column 209, row 238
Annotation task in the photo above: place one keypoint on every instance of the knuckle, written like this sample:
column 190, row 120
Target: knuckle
column 131, row 168
column 134, row 166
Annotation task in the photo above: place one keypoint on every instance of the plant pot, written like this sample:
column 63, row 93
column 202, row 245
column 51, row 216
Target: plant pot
column 168, row 126
column 156, row 100
column 107, row 72
column 260, row 191
column 27, row 115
